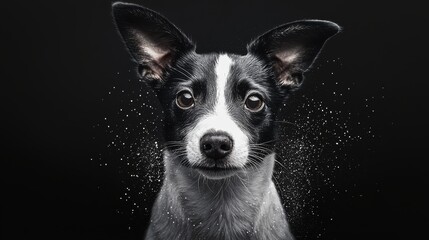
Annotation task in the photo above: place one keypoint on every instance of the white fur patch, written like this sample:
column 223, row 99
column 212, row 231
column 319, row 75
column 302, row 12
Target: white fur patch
column 219, row 120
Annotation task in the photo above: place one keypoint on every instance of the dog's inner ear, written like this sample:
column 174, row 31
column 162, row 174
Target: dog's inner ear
column 292, row 48
column 151, row 39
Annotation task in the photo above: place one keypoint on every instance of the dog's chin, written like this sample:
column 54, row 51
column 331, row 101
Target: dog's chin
column 211, row 170
column 217, row 173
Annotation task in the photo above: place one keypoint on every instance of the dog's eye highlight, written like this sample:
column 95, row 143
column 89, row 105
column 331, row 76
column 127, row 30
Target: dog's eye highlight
column 254, row 103
column 185, row 99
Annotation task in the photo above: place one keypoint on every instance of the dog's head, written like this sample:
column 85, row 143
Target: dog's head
column 220, row 108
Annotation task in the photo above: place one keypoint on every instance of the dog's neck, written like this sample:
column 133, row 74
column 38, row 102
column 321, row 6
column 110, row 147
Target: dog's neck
column 208, row 207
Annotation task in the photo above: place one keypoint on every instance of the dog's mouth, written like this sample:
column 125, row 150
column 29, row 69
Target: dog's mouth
column 216, row 168
column 216, row 172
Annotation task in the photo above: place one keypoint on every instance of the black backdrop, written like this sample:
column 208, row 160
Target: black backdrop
column 61, row 59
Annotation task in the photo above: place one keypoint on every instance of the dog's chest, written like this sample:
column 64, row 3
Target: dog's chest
column 224, row 212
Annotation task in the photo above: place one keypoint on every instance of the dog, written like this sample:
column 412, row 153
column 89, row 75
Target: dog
column 220, row 114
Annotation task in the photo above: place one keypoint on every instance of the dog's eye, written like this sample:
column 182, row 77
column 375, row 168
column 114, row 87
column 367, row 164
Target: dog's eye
column 254, row 103
column 185, row 99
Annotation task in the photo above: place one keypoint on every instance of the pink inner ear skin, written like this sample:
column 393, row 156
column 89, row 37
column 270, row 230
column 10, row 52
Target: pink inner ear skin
column 159, row 59
column 156, row 54
column 286, row 79
column 285, row 62
column 289, row 56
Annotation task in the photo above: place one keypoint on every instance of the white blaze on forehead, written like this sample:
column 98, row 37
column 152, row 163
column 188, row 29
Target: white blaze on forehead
column 222, row 69
column 219, row 119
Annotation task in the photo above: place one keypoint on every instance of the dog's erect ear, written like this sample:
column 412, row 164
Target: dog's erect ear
column 292, row 48
column 152, row 40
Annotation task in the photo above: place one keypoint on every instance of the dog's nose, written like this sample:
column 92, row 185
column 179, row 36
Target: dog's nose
column 216, row 145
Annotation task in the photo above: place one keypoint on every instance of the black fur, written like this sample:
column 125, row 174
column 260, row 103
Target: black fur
column 261, row 70
column 273, row 67
column 266, row 69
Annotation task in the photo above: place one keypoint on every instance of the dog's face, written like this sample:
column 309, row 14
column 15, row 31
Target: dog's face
column 220, row 108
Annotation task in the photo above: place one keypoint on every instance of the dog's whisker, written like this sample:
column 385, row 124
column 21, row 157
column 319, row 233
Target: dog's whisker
column 287, row 122
column 261, row 151
column 263, row 143
column 280, row 164
column 243, row 182
column 181, row 79
column 198, row 182
column 261, row 148
column 207, row 184
column 183, row 72
column 278, row 184
column 190, row 75
column 220, row 189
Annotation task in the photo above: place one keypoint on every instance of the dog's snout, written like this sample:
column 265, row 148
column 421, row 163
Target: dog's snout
column 216, row 145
